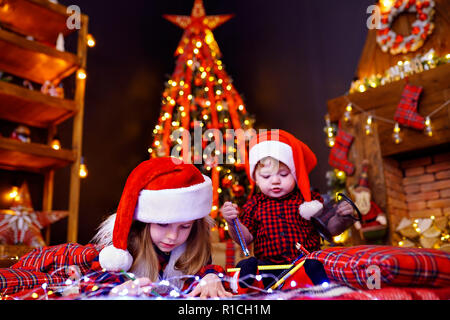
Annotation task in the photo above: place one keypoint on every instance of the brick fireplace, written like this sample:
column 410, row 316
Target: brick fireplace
column 409, row 178
column 417, row 187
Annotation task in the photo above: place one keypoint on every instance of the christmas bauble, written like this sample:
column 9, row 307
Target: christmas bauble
column 226, row 183
column 238, row 190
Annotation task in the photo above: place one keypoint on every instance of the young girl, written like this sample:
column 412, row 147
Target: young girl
column 161, row 231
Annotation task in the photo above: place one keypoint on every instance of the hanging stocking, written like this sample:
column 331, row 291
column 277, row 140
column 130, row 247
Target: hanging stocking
column 406, row 113
column 338, row 154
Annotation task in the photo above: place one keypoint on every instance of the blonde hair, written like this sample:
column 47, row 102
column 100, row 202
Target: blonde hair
column 269, row 162
column 145, row 260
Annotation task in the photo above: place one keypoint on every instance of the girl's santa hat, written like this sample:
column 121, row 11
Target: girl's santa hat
column 296, row 155
column 160, row 190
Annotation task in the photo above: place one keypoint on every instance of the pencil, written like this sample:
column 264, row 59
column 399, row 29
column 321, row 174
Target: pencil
column 241, row 238
column 291, row 272
column 266, row 267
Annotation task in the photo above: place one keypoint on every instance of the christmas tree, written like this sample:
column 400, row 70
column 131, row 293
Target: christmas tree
column 203, row 119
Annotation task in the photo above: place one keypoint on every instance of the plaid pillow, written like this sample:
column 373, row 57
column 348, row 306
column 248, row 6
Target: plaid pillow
column 398, row 266
column 15, row 280
column 57, row 259
column 46, row 265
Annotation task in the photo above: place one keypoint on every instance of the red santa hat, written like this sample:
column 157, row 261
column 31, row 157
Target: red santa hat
column 363, row 182
column 296, row 155
column 160, row 190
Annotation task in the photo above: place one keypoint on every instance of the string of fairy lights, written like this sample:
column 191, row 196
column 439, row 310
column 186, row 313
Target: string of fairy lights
column 369, row 122
column 158, row 290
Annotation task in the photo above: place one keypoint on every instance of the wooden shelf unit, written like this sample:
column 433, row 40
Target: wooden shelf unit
column 32, row 107
column 38, row 61
column 33, row 157
column 26, row 17
column 34, row 61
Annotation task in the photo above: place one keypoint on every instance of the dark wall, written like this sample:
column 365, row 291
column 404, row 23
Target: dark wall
column 287, row 58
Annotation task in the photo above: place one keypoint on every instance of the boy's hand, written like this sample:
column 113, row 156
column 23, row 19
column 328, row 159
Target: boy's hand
column 229, row 211
column 210, row 287
column 344, row 209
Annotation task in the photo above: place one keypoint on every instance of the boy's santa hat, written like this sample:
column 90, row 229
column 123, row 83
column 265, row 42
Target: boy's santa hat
column 160, row 190
column 296, row 155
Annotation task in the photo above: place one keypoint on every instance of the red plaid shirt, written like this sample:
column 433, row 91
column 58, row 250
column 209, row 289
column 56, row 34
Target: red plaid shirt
column 277, row 226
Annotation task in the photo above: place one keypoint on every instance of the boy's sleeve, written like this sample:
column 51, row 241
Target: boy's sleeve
column 247, row 216
column 316, row 196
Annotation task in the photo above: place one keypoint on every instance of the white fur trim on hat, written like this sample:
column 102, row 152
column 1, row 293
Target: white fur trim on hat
column 275, row 149
column 310, row 208
column 175, row 205
column 113, row 259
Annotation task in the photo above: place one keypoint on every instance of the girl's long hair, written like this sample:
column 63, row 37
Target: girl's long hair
column 145, row 260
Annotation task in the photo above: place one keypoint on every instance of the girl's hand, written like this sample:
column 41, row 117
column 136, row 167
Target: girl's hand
column 130, row 288
column 210, row 287
column 344, row 209
column 229, row 211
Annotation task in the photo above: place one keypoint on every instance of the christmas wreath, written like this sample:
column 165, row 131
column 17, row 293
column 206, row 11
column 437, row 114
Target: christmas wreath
column 421, row 28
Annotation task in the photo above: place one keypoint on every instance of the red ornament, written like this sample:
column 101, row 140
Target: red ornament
column 222, row 234
column 226, row 183
column 238, row 190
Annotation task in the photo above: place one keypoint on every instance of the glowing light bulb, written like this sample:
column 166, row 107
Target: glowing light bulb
column 340, row 174
column 90, row 40
column 348, row 110
column 83, row 171
column 368, row 126
column 428, row 129
column 81, row 74
column 56, row 144
column 396, row 134
column 14, row 192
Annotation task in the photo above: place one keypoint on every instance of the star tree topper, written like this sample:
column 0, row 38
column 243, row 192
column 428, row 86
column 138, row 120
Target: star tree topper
column 198, row 22
column 22, row 225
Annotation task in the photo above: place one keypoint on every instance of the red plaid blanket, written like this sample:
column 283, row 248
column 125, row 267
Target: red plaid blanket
column 398, row 266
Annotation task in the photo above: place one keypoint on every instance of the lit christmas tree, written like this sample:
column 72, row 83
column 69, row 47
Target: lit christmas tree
column 200, row 100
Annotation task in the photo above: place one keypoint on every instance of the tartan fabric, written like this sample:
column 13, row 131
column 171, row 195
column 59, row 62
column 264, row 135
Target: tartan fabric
column 406, row 113
column 276, row 226
column 50, row 265
column 45, row 265
column 15, row 280
column 398, row 293
column 229, row 254
column 56, row 259
column 338, row 154
column 398, row 266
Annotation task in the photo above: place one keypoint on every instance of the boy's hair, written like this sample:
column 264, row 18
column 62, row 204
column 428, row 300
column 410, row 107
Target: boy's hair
column 269, row 162
column 145, row 259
